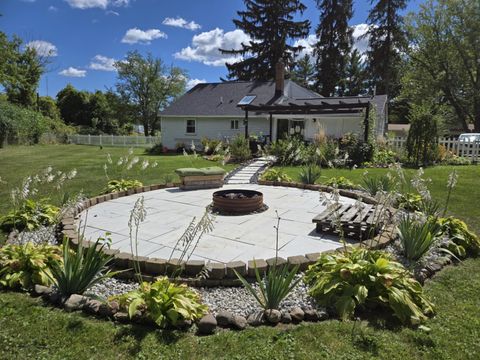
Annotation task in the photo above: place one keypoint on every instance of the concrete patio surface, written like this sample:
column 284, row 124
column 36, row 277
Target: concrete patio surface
column 169, row 211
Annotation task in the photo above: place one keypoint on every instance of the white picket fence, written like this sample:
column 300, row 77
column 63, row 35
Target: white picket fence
column 460, row 148
column 114, row 140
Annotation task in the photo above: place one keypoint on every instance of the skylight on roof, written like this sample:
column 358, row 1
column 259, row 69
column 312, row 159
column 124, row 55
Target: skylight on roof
column 247, row 100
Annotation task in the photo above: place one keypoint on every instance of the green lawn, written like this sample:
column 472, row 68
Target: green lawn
column 29, row 329
column 18, row 162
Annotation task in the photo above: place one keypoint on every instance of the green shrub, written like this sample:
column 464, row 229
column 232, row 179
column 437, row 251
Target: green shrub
column 240, row 149
column 417, row 237
column 410, row 201
column 156, row 149
column 340, row 182
column 165, row 303
column 211, row 146
column 375, row 184
column 422, row 140
column 23, row 266
column 384, row 157
column 121, row 185
column 30, row 216
column 291, row 151
column 358, row 150
column 276, row 175
column 310, row 174
column 81, row 269
column 362, row 278
column 463, row 241
column 277, row 284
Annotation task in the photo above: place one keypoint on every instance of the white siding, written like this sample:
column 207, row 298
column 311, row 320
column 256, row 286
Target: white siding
column 174, row 129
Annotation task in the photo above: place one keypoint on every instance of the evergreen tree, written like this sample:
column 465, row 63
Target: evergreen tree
column 270, row 25
column 386, row 39
column 355, row 75
column 333, row 46
column 303, row 71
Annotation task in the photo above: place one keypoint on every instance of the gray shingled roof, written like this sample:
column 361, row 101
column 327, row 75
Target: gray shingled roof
column 221, row 99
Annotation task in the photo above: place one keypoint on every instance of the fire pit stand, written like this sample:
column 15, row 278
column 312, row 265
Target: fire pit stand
column 237, row 201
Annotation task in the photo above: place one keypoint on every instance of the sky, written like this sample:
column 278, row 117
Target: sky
column 83, row 38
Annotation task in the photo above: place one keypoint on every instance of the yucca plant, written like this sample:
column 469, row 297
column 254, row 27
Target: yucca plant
column 278, row 282
column 80, row 269
column 417, row 238
column 375, row 184
column 310, row 174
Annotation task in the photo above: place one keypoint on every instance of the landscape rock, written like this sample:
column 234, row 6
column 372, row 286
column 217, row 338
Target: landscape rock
column 273, row 316
column 311, row 315
column 297, row 314
column 92, row 306
column 121, row 317
column 75, row 302
column 183, row 324
column 42, row 290
column 256, row 318
column 239, row 322
column 224, row 318
column 207, row 325
column 286, row 317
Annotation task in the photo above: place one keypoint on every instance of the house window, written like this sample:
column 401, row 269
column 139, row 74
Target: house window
column 191, row 126
column 234, row 124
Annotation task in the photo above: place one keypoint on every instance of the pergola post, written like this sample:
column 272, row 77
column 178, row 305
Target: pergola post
column 245, row 122
column 367, row 123
column 271, row 126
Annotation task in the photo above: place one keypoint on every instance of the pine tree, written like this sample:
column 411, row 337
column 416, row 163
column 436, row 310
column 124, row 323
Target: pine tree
column 303, row 71
column 355, row 75
column 386, row 39
column 271, row 26
column 334, row 44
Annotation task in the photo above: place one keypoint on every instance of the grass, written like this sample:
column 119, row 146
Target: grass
column 465, row 197
column 30, row 329
column 18, row 162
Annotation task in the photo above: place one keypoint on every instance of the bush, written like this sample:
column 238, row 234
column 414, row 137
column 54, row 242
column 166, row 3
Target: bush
column 463, row 241
column 340, row 182
column 240, row 149
column 384, row 157
column 30, row 216
column 310, row 174
column 362, row 278
column 358, row 150
column 276, row 175
column 23, row 266
column 410, row 201
column 81, row 269
column 156, row 149
column 121, row 185
column 164, row 303
column 417, row 238
column 291, row 151
column 210, row 146
column 422, row 140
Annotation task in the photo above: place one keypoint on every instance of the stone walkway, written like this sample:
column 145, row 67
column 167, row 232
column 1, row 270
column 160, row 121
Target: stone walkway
column 249, row 173
column 169, row 211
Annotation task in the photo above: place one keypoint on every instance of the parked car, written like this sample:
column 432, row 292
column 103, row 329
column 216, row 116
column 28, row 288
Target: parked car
column 469, row 138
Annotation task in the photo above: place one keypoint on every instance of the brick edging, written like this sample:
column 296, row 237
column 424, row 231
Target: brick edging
column 220, row 274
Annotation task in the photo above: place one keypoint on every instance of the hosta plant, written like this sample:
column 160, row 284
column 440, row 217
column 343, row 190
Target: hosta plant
column 23, row 266
column 359, row 278
column 462, row 240
column 30, row 216
column 410, row 202
column 121, row 185
column 164, row 302
column 276, row 175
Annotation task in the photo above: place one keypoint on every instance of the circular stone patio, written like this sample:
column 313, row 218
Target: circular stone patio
column 243, row 238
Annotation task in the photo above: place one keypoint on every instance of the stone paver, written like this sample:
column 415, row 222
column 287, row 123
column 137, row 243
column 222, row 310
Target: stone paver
column 247, row 173
column 234, row 238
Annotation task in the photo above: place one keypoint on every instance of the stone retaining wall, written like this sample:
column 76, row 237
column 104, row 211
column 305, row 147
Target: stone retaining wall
column 219, row 274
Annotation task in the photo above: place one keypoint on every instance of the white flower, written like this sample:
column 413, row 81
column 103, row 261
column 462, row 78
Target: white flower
column 145, row 164
column 155, row 164
column 452, row 179
column 130, row 151
column 192, row 147
column 120, row 161
column 135, row 160
column 105, row 167
column 72, row 174
column 109, row 158
column 184, row 152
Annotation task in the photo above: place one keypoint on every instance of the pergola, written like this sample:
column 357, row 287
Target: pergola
column 316, row 106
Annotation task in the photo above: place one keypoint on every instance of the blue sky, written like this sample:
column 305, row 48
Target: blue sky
column 85, row 36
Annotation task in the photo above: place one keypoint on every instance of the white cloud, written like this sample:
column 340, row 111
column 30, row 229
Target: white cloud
column 52, row 8
column 103, row 4
column 102, row 63
column 111, row 12
column 133, row 36
column 73, row 72
column 308, row 44
column 43, row 48
column 205, row 47
column 181, row 23
column 194, row 82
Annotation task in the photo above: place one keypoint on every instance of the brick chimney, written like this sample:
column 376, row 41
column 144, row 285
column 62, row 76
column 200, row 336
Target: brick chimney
column 279, row 78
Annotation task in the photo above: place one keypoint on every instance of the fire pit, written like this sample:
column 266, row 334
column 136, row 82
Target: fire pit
column 237, row 201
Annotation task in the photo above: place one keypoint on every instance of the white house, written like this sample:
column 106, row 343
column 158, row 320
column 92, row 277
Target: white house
column 272, row 109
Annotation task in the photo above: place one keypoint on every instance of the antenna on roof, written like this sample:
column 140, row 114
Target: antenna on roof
column 221, row 99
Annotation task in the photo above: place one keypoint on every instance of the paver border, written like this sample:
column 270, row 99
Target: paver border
column 220, row 274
